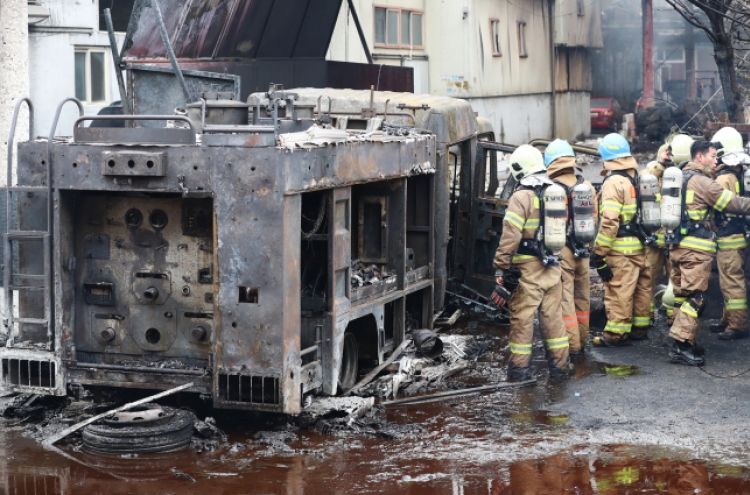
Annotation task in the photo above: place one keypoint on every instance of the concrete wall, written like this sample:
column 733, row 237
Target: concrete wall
column 52, row 45
column 573, row 114
column 14, row 73
column 517, row 119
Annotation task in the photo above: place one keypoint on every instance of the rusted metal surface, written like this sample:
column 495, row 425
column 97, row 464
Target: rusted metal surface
column 193, row 268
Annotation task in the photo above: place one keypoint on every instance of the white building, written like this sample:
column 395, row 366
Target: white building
column 69, row 55
column 498, row 54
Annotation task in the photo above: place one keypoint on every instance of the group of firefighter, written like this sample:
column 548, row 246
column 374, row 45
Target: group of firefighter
column 685, row 208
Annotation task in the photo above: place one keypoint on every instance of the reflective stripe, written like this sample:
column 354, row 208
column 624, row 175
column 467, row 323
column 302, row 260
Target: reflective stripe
column 627, row 245
column 583, row 315
column 735, row 304
column 689, row 310
column 520, row 348
column 536, row 202
column 697, row 214
column 723, row 201
column 603, row 240
column 514, row 219
column 628, row 212
column 570, row 321
column 559, row 343
column 614, row 327
column 610, row 205
column 732, row 242
column 531, row 224
column 660, row 240
column 670, row 312
column 689, row 197
column 521, row 257
column 641, row 321
column 680, row 299
column 652, row 308
column 692, row 242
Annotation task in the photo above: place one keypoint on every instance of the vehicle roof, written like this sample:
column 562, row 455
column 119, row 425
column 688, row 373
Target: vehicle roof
column 450, row 119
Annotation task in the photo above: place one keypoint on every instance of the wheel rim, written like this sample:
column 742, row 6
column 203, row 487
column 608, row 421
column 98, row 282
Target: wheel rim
column 349, row 362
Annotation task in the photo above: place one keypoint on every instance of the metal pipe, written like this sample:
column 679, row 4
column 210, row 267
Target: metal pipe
column 136, row 369
column 170, row 51
column 307, row 351
column 360, row 32
column 49, row 258
column 117, row 61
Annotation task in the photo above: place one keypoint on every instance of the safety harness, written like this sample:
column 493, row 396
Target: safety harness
column 730, row 223
column 536, row 247
column 633, row 228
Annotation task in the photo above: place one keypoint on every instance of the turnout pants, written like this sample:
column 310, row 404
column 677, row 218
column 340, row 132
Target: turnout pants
column 732, row 280
column 539, row 288
column 576, row 298
column 656, row 259
column 690, row 272
column 627, row 297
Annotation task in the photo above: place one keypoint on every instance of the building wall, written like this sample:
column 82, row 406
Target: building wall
column 52, row 45
column 514, row 92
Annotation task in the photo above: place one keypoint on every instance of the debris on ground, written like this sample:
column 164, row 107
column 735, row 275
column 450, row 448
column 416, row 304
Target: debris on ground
column 367, row 274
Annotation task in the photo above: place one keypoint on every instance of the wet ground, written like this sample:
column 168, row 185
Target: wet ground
column 627, row 423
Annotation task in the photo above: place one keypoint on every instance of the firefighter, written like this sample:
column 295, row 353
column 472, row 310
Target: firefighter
column 730, row 238
column 676, row 151
column 576, row 303
column 693, row 248
column 525, row 268
column 656, row 254
column 619, row 257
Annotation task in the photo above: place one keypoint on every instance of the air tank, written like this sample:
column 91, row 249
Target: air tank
column 555, row 218
column 671, row 198
column 650, row 203
column 584, row 213
column 746, row 189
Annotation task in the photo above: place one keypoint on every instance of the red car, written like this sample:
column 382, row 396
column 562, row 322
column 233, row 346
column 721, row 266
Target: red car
column 605, row 113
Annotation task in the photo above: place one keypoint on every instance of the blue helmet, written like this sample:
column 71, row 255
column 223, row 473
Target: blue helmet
column 614, row 146
column 556, row 149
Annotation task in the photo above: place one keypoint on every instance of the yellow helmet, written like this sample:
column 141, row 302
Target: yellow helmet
column 681, row 144
column 728, row 141
column 526, row 160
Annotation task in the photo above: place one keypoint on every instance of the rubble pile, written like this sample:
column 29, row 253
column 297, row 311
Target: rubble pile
column 364, row 274
column 414, row 373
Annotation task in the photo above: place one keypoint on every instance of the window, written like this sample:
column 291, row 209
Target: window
column 398, row 28
column 581, row 8
column 495, row 33
column 522, row 40
column 91, row 75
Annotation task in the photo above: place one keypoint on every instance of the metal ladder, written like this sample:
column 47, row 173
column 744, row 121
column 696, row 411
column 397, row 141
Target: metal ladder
column 15, row 234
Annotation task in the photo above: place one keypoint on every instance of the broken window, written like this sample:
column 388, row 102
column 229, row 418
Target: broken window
column 522, row 40
column 495, row 33
column 91, row 75
column 120, row 10
column 398, row 28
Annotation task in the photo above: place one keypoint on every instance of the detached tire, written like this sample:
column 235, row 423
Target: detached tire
column 349, row 363
column 169, row 434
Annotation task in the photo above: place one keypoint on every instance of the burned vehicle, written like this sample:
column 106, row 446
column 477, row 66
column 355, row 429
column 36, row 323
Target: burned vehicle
column 257, row 261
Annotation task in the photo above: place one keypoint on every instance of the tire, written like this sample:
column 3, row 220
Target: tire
column 349, row 363
column 167, row 435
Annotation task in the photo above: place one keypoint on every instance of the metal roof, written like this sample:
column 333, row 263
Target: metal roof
column 233, row 29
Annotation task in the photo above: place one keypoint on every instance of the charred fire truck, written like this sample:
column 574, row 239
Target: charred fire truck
column 260, row 248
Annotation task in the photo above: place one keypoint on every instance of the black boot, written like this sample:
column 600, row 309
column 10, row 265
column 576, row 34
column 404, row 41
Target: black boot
column 685, row 353
column 577, row 357
column 733, row 335
column 565, row 370
column 717, row 328
column 519, row 374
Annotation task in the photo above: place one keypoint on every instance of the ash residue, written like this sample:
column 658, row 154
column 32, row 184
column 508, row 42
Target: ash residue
column 372, row 424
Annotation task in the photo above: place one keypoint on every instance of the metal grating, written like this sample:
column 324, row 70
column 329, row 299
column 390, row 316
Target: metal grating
column 28, row 373
column 249, row 389
column 20, row 484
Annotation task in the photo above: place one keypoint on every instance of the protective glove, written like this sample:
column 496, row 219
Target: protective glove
column 500, row 296
column 602, row 268
column 511, row 278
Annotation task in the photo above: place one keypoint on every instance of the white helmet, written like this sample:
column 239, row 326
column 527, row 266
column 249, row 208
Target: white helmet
column 526, row 160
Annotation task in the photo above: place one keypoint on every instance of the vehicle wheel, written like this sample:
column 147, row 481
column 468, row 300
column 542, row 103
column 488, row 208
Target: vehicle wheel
column 349, row 363
column 171, row 430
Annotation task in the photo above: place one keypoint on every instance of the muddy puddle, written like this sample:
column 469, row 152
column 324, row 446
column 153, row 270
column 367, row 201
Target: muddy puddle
column 511, row 442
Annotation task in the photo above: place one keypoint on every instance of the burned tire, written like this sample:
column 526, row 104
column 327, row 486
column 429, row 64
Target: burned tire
column 171, row 432
column 349, row 363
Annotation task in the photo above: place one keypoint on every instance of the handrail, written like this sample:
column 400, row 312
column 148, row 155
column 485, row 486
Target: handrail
column 12, row 134
column 181, row 118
